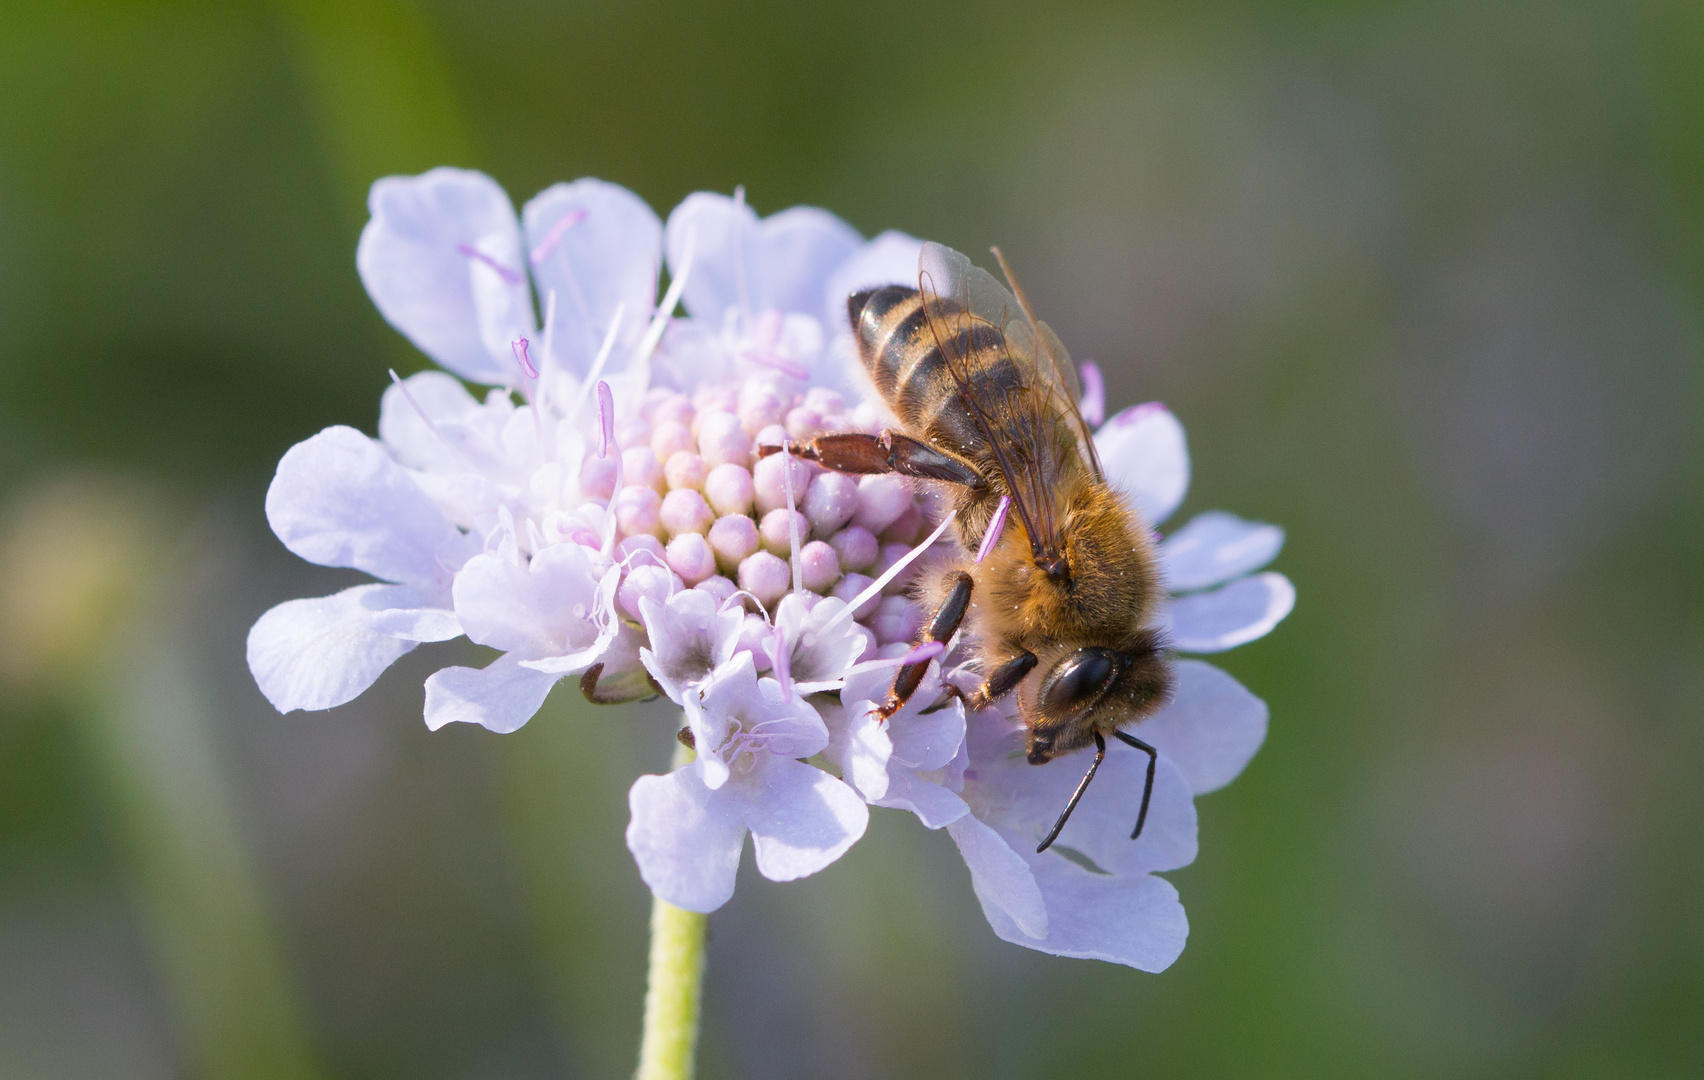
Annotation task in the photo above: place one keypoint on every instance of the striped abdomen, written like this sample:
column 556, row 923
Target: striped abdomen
column 904, row 360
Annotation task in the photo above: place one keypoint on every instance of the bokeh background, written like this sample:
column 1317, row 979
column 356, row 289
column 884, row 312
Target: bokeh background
column 1424, row 281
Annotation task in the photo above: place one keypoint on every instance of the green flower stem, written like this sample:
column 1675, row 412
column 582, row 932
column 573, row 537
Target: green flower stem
column 675, row 986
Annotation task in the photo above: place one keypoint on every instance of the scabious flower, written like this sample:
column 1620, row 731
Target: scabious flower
column 601, row 513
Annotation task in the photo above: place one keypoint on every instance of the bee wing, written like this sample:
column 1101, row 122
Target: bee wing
column 962, row 304
column 1057, row 372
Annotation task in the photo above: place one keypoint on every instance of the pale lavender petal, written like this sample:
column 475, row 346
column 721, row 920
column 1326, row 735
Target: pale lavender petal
column 801, row 818
column 500, row 697
column 418, row 623
column 598, row 246
column 1145, row 456
column 868, row 749
column 1216, row 547
column 414, row 258
column 1211, row 728
column 339, row 500
column 1100, row 827
column 1002, row 879
column 1231, row 615
column 545, row 608
column 1135, row 921
column 780, row 263
column 413, row 419
column 933, row 803
column 686, row 839
column 319, row 653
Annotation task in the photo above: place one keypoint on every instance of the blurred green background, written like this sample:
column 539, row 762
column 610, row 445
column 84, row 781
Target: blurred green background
column 1424, row 281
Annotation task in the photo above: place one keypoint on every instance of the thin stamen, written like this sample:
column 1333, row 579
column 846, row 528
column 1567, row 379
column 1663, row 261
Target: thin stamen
column 739, row 253
column 660, row 321
column 995, row 527
column 519, row 346
column 1093, row 405
column 513, row 277
column 606, row 419
column 554, row 236
column 792, row 517
column 599, row 360
column 782, row 661
column 892, row 572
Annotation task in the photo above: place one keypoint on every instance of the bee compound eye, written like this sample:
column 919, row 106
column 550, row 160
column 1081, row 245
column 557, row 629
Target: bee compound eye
column 1077, row 680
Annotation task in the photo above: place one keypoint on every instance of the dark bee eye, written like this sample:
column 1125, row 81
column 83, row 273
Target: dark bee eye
column 1078, row 680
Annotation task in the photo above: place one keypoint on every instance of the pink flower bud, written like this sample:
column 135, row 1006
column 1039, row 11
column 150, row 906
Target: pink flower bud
column 729, row 489
column 685, row 511
column 821, row 566
column 732, row 538
column 906, row 527
column 637, row 510
column 689, row 555
column 857, row 547
column 670, row 437
column 803, row 424
column 848, row 588
column 774, row 533
column 897, row 619
column 721, row 439
column 766, row 577
column 769, row 483
column 643, row 468
column 882, row 498
column 685, row 469
column 717, row 586
column 656, row 582
column 830, row 502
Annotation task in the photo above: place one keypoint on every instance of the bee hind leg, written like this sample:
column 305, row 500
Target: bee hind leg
column 859, row 453
column 942, row 627
column 1003, row 681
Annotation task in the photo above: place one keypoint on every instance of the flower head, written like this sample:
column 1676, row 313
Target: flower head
column 603, row 512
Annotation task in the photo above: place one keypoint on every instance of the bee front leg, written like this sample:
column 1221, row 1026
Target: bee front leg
column 858, row 453
column 941, row 628
column 1005, row 679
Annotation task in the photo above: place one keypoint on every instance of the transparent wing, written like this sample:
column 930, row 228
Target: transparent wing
column 1056, row 371
column 968, row 312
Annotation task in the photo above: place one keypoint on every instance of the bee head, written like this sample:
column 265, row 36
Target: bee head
column 1094, row 689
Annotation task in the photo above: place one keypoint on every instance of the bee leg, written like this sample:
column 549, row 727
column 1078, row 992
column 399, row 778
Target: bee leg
column 1076, row 796
column 1005, row 679
column 941, row 628
column 859, row 453
column 1147, row 788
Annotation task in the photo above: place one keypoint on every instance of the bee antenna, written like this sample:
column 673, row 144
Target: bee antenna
column 1148, row 788
column 1076, row 796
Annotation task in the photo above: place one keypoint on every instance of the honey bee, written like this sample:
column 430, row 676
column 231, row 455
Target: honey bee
column 1059, row 602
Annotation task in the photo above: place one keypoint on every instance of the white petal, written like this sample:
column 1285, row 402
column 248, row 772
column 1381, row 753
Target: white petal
column 801, row 818
column 781, row 262
column 418, row 623
column 1211, row 728
column 322, row 652
column 605, row 247
column 500, row 697
column 339, row 500
column 685, row 838
column 1216, row 547
column 414, row 441
column 1136, row 921
column 1002, row 879
column 548, row 607
column 412, row 259
column 1145, row 456
column 868, row 750
column 889, row 259
column 1231, row 615
column 933, row 804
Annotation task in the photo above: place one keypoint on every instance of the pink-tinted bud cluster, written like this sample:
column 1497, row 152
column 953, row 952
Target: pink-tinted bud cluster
column 719, row 516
